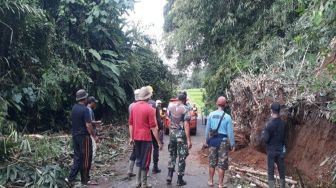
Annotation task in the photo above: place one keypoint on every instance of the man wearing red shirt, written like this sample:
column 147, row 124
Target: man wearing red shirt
column 142, row 120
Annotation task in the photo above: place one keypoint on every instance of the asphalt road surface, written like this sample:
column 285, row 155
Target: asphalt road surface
column 196, row 173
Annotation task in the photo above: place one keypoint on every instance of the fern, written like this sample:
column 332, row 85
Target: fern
column 20, row 7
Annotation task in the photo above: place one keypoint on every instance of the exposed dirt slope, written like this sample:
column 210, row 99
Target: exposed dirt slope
column 312, row 139
column 312, row 146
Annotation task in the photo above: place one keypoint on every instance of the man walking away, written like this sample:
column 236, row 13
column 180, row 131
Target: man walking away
column 132, row 156
column 274, row 135
column 161, row 125
column 219, row 142
column 141, row 122
column 81, row 131
column 156, row 169
column 179, row 139
column 92, row 105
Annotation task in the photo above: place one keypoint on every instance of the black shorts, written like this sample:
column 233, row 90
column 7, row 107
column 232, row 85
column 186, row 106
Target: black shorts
column 143, row 151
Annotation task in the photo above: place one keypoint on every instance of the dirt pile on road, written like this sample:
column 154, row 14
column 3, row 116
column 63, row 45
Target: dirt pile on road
column 312, row 138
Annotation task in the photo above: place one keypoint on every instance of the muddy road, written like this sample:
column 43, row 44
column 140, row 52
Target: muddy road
column 196, row 173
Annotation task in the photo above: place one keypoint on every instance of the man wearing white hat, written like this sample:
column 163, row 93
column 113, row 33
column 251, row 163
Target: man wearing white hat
column 142, row 121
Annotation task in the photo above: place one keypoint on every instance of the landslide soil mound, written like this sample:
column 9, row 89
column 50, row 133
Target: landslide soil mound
column 312, row 146
column 311, row 151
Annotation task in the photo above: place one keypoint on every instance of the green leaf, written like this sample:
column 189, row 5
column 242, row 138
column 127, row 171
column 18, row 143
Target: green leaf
column 89, row 20
column 110, row 103
column 100, row 95
column 111, row 66
column 103, row 20
column 95, row 54
column 96, row 13
column 3, row 179
column 17, row 106
column 109, row 52
column 17, row 97
column 94, row 66
column 121, row 93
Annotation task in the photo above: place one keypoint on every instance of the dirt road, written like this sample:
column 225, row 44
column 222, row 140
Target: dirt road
column 196, row 173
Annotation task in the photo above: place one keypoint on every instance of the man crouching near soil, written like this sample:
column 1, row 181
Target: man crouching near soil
column 274, row 135
column 141, row 122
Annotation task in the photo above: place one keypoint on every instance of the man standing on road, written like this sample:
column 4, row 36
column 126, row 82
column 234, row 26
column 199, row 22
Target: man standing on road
column 179, row 139
column 81, row 131
column 156, row 169
column 92, row 105
column 274, row 136
column 132, row 157
column 219, row 142
column 141, row 122
column 158, row 116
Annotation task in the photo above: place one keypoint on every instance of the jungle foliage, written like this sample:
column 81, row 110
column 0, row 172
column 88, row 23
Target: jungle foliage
column 286, row 39
column 50, row 49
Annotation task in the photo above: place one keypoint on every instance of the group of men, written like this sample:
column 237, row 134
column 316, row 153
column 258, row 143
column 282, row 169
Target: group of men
column 145, row 127
column 142, row 122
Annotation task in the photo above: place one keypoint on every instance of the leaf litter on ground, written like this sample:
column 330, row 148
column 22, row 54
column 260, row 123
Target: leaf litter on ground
column 45, row 160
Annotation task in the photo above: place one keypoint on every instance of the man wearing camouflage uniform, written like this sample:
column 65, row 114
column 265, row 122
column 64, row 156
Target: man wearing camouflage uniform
column 179, row 139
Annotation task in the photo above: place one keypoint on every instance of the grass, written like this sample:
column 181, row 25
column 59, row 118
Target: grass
column 196, row 97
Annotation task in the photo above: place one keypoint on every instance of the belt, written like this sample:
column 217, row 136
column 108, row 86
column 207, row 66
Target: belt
column 175, row 127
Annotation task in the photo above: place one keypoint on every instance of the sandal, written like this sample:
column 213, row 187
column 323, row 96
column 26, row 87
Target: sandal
column 91, row 183
column 210, row 184
column 221, row 186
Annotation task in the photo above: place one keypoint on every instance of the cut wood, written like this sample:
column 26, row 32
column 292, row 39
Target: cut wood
column 40, row 136
column 262, row 174
column 256, row 177
column 256, row 181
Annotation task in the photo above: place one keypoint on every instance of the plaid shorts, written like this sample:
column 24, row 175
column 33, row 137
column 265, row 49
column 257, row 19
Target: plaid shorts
column 218, row 156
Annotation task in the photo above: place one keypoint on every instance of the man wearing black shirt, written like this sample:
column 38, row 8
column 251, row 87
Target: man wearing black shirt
column 156, row 169
column 274, row 136
column 81, row 131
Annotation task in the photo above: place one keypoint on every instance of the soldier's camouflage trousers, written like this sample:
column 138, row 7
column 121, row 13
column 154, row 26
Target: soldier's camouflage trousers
column 177, row 148
column 218, row 156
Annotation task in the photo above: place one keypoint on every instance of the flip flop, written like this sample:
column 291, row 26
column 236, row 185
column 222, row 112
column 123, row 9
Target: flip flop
column 92, row 183
column 221, row 186
column 210, row 184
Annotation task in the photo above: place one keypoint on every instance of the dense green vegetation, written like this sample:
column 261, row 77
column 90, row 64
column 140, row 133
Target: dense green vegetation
column 50, row 49
column 283, row 39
